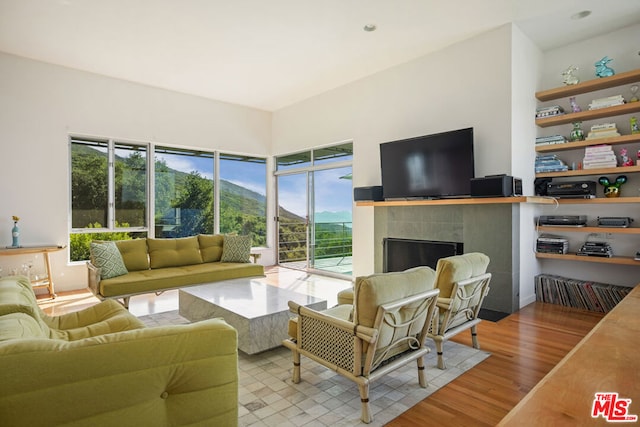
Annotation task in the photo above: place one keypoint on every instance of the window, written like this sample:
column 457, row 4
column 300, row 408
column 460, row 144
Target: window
column 243, row 201
column 108, row 193
column 183, row 188
column 119, row 191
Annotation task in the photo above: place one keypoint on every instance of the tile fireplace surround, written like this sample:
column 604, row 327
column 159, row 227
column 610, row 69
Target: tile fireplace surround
column 491, row 229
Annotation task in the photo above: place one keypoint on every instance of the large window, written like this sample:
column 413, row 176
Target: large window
column 243, row 201
column 184, row 192
column 125, row 191
column 108, row 193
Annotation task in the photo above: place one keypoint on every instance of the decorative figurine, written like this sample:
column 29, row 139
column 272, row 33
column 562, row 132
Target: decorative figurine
column 612, row 189
column 625, row 160
column 634, row 93
column 576, row 133
column 568, row 76
column 633, row 121
column 601, row 68
column 574, row 106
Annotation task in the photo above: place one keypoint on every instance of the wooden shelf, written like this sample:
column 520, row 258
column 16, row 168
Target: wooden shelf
column 599, row 200
column 564, row 229
column 603, row 260
column 587, row 172
column 624, row 139
column 582, row 116
column 461, row 201
column 589, row 86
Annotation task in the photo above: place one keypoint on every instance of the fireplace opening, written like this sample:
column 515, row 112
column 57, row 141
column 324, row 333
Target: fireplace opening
column 401, row 254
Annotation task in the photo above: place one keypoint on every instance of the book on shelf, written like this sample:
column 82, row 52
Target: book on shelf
column 609, row 101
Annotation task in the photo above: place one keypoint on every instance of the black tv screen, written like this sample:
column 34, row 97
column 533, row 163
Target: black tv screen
column 430, row 166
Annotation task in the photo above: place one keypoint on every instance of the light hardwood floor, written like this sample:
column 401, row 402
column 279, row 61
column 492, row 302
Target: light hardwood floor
column 524, row 347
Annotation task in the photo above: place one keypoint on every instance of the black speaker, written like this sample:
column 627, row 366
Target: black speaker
column 373, row 194
column 496, row 186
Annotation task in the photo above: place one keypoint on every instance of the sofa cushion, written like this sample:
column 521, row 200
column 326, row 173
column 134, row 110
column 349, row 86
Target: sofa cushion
column 20, row 326
column 16, row 296
column 134, row 254
column 236, row 249
column 174, row 252
column 140, row 282
column 106, row 256
column 210, row 247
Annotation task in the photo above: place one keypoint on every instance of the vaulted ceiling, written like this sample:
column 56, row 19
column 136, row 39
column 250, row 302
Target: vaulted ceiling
column 269, row 54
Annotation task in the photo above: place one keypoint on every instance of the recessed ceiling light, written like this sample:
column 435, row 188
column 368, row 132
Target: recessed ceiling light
column 581, row 15
column 370, row 27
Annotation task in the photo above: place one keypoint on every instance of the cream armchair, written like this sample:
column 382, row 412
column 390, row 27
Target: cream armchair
column 385, row 329
column 463, row 284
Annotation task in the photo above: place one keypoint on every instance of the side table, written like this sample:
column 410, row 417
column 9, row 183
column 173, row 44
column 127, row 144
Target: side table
column 46, row 282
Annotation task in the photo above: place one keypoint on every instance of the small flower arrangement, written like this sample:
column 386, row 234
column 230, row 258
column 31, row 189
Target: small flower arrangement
column 15, row 218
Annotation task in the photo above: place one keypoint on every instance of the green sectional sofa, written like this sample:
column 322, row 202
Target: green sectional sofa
column 102, row 367
column 156, row 265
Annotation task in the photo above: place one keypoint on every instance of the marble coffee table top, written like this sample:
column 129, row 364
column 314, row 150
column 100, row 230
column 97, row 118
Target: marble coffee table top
column 249, row 298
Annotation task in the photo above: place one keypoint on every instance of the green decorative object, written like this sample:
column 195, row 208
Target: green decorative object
column 633, row 122
column 612, row 189
column 576, row 133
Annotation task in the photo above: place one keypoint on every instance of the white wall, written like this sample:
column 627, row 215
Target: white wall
column 525, row 71
column 40, row 104
column 467, row 84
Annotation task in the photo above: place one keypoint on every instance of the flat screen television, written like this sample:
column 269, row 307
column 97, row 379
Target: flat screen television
column 429, row 166
column 401, row 254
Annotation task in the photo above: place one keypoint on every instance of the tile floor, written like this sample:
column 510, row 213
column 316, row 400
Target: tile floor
column 268, row 398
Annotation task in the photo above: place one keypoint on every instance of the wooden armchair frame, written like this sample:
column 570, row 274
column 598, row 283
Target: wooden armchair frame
column 353, row 350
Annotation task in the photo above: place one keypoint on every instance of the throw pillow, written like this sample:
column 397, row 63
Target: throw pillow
column 107, row 258
column 236, row 249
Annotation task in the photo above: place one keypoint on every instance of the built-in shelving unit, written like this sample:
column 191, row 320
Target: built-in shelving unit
column 629, row 77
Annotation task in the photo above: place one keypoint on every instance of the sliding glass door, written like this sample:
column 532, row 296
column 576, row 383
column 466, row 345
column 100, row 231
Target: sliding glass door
column 315, row 199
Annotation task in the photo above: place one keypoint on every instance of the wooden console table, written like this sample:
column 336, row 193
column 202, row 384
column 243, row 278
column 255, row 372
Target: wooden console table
column 46, row 282
column 605, row 361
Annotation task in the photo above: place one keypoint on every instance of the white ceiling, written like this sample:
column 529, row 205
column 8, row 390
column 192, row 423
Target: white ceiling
column 269, row 54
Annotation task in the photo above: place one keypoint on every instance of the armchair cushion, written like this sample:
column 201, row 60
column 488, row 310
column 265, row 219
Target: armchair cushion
column 455, row 268
column 377, row 289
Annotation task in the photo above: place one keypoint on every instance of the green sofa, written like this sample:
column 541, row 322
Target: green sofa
column 101, row 367
column 156, row 265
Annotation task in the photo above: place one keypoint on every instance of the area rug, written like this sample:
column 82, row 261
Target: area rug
column 267, row 397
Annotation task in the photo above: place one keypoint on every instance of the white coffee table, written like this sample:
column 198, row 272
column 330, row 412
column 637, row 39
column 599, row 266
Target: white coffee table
column 258, row 311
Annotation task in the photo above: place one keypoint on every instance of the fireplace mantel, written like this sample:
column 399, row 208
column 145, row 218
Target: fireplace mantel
column 461, row 201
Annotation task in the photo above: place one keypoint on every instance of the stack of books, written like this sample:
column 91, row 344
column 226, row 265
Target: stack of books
column 609, row 101
column 550, row 140
column 550, row 163
column 599, row 156
column 554, row 110
column 604, row 130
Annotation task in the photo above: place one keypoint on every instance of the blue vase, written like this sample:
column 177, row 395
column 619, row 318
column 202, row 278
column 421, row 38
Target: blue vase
column 15, row 234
